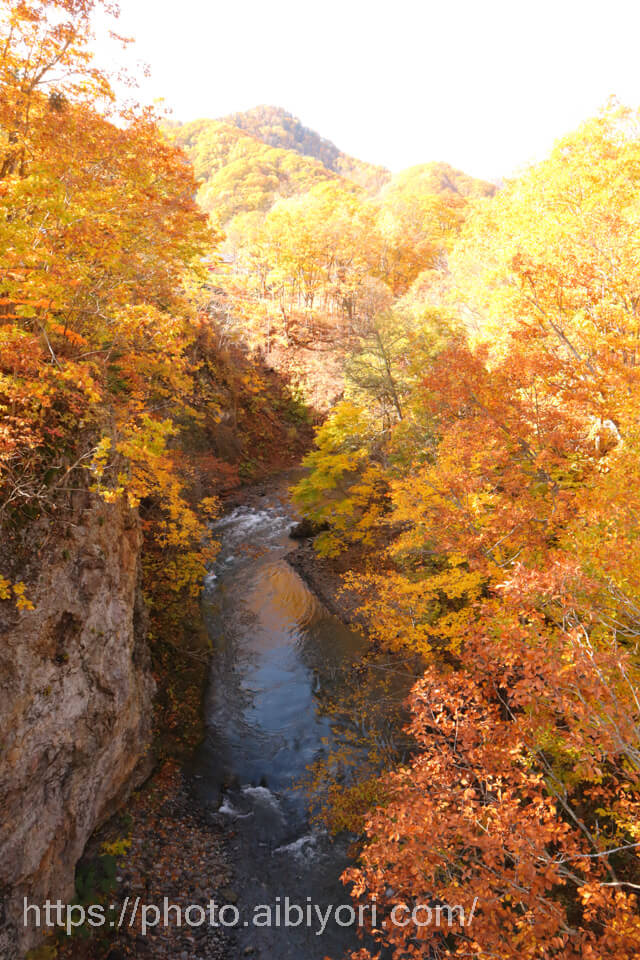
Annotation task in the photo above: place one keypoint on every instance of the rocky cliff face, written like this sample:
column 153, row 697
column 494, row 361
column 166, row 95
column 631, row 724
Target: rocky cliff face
column 75, row 707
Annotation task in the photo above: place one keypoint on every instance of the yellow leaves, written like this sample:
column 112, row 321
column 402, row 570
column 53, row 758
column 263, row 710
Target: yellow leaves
column 210, row 507
column 145, row 439
column 16, row 591
column 511, row 558
column 138, row 465
column 100, row 457
column 22, row 601
column 344, row 489
column 420, row 611
column 117, row 848
column 552, row 257
column 103, row 250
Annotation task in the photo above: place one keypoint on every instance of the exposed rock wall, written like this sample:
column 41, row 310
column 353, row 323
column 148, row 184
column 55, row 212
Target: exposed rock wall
column 75, row 706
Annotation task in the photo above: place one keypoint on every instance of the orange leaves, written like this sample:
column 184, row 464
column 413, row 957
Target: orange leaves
column 76, row 339
column 102, row 243
column 511, row 515
column 483, row 825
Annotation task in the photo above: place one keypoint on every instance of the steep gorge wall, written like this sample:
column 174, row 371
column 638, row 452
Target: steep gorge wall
column 75, row 706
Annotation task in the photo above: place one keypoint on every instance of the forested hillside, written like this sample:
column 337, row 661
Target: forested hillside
column 310, row 255
column 275, row 126
column 490, row 441
column 179, row 303
column 239, row 172
column 110, row 346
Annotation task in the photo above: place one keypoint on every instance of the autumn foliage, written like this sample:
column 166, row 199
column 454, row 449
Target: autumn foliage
column 316, row 241
column 484, row 349
column 101, row 245
column 505, row 489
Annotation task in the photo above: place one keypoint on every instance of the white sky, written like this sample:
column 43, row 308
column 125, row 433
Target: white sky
column 486, row 85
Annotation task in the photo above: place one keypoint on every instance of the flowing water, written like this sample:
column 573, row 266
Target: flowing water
column 278, row 655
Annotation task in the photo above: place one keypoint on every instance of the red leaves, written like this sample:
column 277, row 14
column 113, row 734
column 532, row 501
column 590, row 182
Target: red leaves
column 524, row 790
column 487, row 809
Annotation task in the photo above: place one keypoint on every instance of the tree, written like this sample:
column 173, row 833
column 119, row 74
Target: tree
column 512, row 569
column 98, row 232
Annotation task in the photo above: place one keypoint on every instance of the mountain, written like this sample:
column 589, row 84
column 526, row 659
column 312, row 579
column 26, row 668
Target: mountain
column 277, row 127
column 247, row 161
column 439, row 178
column 241, row 173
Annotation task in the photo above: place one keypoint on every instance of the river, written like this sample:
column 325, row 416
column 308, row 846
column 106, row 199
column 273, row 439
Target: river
column 278, row 655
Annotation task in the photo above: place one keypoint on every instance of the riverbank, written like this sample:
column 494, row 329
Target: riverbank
column 163, row 846
column 170, row 842
column 323, row 576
